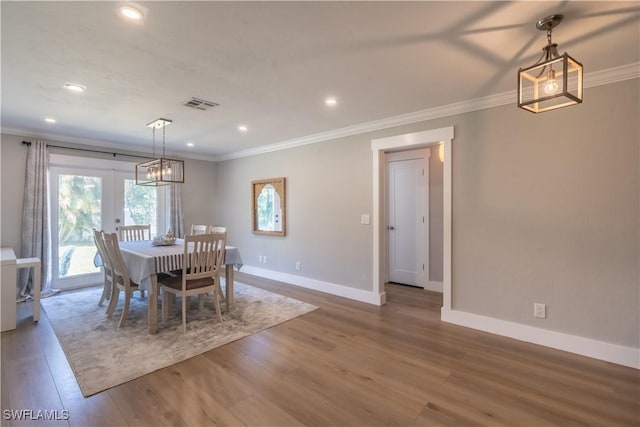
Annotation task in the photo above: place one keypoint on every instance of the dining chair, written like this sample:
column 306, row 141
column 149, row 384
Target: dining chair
column 134, row 232
column 217, row 229
column 120, row 275
column 106, row 266
column 199, row 229
column 201, row 266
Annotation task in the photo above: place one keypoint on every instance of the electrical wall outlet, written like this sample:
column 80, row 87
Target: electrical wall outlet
column 298, row 266
column 540, row 310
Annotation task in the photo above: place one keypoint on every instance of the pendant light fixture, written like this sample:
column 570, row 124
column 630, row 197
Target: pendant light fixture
column 160, row 171
column 554, row 81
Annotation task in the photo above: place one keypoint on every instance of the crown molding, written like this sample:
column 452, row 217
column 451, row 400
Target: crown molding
column 596, row 78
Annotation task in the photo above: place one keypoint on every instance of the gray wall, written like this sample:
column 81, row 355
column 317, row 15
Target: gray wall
column 13, row 159
column 328, row 188
column 545, row 209
column 435, row 216
column 198, row 195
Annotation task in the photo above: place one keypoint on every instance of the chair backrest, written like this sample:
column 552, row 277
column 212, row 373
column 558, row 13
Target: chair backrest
column 118, row 267
column 134, row 232
column 217, row 229
column 99, row 241
column 203, row 256
column 199, row 229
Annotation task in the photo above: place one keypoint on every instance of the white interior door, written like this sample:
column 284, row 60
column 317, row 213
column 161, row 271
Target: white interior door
column 87, row 196
column 407, row 217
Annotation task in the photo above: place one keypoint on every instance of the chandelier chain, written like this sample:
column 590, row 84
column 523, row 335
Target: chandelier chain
column 154, row 142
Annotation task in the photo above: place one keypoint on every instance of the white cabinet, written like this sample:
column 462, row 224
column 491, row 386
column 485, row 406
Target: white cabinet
column 8, row 290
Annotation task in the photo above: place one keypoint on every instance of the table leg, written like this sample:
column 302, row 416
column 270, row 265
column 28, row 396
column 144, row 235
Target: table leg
column 37, row 283
column 228, row 277
column 152, row 309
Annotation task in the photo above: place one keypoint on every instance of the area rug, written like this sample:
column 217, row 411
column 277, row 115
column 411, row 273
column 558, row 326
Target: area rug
column 103, row 356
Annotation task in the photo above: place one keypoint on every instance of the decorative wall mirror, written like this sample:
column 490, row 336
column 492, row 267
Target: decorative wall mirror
column 269, row 206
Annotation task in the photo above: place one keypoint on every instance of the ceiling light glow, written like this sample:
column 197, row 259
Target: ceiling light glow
column 190, row 144
column 50, row 120
column 243, row 128
column 75, row 87
column 133, row 12
column 331, row 101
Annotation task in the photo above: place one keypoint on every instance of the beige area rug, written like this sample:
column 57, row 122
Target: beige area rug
column 103, row 356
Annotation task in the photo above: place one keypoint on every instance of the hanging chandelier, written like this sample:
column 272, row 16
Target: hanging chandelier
column 554, row 81
column 160, row 171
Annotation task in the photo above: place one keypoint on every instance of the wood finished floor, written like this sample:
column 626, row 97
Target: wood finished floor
column 346, row 364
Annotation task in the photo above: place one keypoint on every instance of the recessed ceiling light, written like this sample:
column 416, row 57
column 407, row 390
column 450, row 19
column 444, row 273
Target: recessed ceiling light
column 50, row 120
column 133, row 11
column 75, row 87
column 331, row 101
column 243, row 128
column 190, row 144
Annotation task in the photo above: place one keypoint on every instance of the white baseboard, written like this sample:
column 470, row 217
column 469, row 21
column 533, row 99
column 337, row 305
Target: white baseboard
column 318, row 285
column 433, row 286
column 621, row 355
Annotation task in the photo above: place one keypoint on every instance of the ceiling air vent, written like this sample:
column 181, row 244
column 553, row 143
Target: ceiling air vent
column 199, row 104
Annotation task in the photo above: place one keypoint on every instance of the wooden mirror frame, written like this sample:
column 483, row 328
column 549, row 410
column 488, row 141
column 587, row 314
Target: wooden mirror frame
column 279, row 184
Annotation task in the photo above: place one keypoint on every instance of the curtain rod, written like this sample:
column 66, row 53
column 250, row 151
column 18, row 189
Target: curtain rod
column 28, row 143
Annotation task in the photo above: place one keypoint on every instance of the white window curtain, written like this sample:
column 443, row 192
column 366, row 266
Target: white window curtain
column 35, row 219
column 176, row 217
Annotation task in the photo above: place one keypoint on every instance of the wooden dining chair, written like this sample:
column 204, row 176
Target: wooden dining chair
column 127, row 233
column 106, row 266
column 199, row 229
column 121, row 279
column 201, row 267
column 217, row 229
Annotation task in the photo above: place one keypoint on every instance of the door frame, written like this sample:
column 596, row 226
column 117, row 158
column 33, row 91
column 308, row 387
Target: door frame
column 424, row 155
column 398, row 143
column 113, row 170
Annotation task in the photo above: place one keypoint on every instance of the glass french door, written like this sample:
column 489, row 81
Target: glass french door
column 83, row 199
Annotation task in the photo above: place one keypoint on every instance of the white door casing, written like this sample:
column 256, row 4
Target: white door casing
column 110, row 175
column 404, row 142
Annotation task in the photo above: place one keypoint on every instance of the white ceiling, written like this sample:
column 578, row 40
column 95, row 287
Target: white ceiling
column 270, row 65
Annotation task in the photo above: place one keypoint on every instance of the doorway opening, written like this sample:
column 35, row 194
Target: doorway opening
column 89, row 194
column 381, row 147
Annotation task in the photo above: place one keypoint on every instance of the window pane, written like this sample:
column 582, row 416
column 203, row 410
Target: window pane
column 78, row 214
column 140, row 205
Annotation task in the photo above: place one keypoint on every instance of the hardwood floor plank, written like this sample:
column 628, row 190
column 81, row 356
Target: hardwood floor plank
column 305, row 400
column 142, row 406
column 28, row 380
column 204, row 376
column 345, row 364
column 257, row 412
column 196, row 409
column 95, row 411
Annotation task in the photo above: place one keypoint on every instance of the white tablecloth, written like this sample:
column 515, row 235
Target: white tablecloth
column 143, row 259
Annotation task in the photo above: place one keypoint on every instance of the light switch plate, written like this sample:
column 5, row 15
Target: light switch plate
column 540, row 310
column 364, row 219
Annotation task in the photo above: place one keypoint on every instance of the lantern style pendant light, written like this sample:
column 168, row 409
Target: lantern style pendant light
column 554, row 81
column 160, row 171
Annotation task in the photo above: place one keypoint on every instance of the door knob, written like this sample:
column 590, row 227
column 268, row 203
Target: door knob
column 390, row 227
column 117, row 220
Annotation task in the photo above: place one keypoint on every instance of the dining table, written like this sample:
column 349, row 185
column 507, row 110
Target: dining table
column 146, row 260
